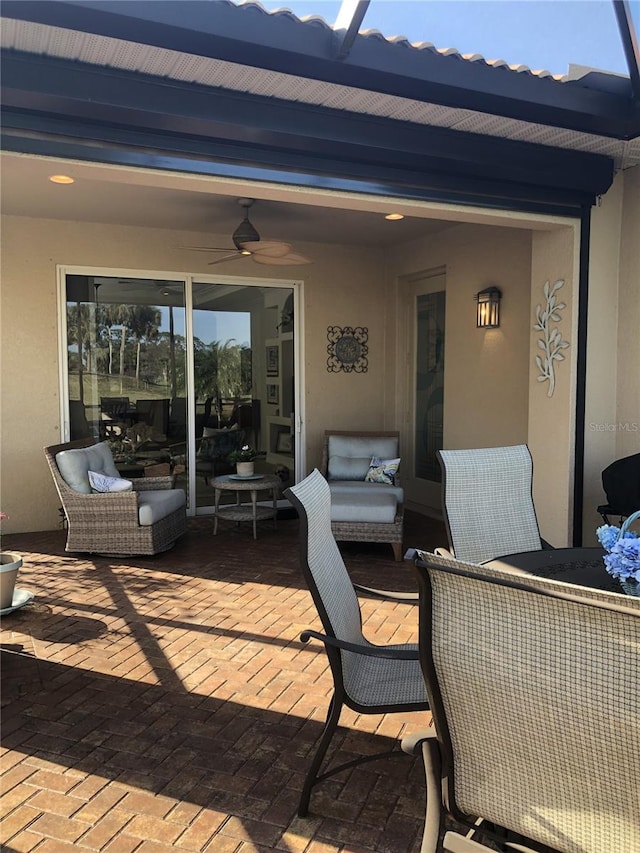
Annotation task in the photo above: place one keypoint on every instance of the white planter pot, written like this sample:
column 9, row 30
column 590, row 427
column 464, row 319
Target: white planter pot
column 9, row 565
column 244, row 469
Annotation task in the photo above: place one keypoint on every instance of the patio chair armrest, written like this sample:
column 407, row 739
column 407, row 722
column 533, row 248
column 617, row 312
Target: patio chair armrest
column 411, row 554
column 412, row 743
column 371, row 651
column 387, row 593
column 99, row 500
column 148, row 484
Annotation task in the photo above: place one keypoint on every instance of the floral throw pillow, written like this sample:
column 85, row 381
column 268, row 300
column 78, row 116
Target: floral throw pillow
column 102, row 483
column 382, row 471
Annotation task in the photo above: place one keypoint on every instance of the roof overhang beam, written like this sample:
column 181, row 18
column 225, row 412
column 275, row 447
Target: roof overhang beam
column 249, row 36
column 120, row 105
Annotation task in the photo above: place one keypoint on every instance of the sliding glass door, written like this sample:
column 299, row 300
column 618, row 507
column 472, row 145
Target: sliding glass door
column 243, row 370
column 175, row 375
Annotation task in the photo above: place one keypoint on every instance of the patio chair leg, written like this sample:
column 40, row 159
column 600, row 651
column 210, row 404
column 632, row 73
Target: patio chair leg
column 431, row 758
column 330, row 726
column 397, row 551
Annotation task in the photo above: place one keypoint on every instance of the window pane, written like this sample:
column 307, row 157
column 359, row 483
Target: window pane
column 429, row 391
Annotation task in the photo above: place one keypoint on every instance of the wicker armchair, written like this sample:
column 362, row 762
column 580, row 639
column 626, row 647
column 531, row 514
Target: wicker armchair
column 110, row 523
column 360, row 504
column 533, row 686
column 367, row 678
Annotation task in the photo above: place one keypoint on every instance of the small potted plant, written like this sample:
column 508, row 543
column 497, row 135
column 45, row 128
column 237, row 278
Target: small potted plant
column 243, row 459
column 9, row 565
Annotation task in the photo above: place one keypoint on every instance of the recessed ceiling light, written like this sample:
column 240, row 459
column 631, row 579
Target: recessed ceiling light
column 393, row 217
column 61, row 179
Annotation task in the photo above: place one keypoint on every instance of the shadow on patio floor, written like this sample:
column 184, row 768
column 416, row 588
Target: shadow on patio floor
column 166, row 703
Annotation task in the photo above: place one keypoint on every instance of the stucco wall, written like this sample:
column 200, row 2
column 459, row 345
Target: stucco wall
column 350, row 293
column 486, row 372
column 628, row 377
column 612, row 428
column 552, row 418
column 343, row 287
column 602, row 361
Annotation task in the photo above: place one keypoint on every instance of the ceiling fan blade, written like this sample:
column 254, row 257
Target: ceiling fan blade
column 297, row 258
column 232, row 257
column 289, row 260
column 207, row 248
column 272, row 248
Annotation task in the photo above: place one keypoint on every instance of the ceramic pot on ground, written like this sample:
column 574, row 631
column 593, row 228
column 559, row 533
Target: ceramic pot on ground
column 244, row 469
column 9, row 565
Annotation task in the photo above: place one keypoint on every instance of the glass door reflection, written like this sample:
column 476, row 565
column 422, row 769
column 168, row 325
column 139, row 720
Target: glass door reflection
column 163, row 387
column 239, row 358
column 127, row 369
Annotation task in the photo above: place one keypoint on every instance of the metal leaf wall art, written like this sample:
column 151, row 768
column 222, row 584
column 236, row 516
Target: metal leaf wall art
column 551, row 343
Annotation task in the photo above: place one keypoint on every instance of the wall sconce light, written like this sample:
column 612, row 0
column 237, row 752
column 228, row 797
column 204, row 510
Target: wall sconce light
column 488, row 312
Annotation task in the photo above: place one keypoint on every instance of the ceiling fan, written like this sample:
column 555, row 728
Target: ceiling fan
column 248, row 244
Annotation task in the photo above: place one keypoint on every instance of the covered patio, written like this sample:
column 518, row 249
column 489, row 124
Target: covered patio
column 507, row 177
column 166, row 703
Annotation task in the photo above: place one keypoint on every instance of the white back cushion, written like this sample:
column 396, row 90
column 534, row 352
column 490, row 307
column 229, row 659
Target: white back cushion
column 74, row 465
column 384, row 446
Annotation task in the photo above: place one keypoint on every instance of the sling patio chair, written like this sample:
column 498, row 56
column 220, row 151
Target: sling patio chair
column 487, row 502
column 367, row 678
column 534, row 690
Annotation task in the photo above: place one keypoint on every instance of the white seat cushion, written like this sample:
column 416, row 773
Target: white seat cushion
column 155, row 505
column 364, row 506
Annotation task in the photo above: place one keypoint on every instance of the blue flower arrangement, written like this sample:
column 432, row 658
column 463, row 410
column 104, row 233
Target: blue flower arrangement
column 623, row 545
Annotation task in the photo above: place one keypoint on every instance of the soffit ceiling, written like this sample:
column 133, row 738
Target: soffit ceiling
column 103, row 196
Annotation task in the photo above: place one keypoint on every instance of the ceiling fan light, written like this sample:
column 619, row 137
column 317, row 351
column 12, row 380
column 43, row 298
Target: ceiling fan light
column 394, row 217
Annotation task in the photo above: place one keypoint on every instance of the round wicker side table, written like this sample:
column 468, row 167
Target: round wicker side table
column 245, row 511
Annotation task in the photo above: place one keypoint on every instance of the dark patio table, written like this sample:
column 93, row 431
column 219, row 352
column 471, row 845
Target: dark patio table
column 582, row 566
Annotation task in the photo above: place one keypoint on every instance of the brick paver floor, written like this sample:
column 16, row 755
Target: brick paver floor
column 166, row 704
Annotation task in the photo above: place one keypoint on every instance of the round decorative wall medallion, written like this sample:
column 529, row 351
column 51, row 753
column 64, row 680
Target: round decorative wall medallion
column 348, row 350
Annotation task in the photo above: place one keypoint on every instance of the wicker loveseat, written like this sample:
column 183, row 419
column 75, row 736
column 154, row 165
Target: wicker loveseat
column 363, row 511
column 146, row 520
